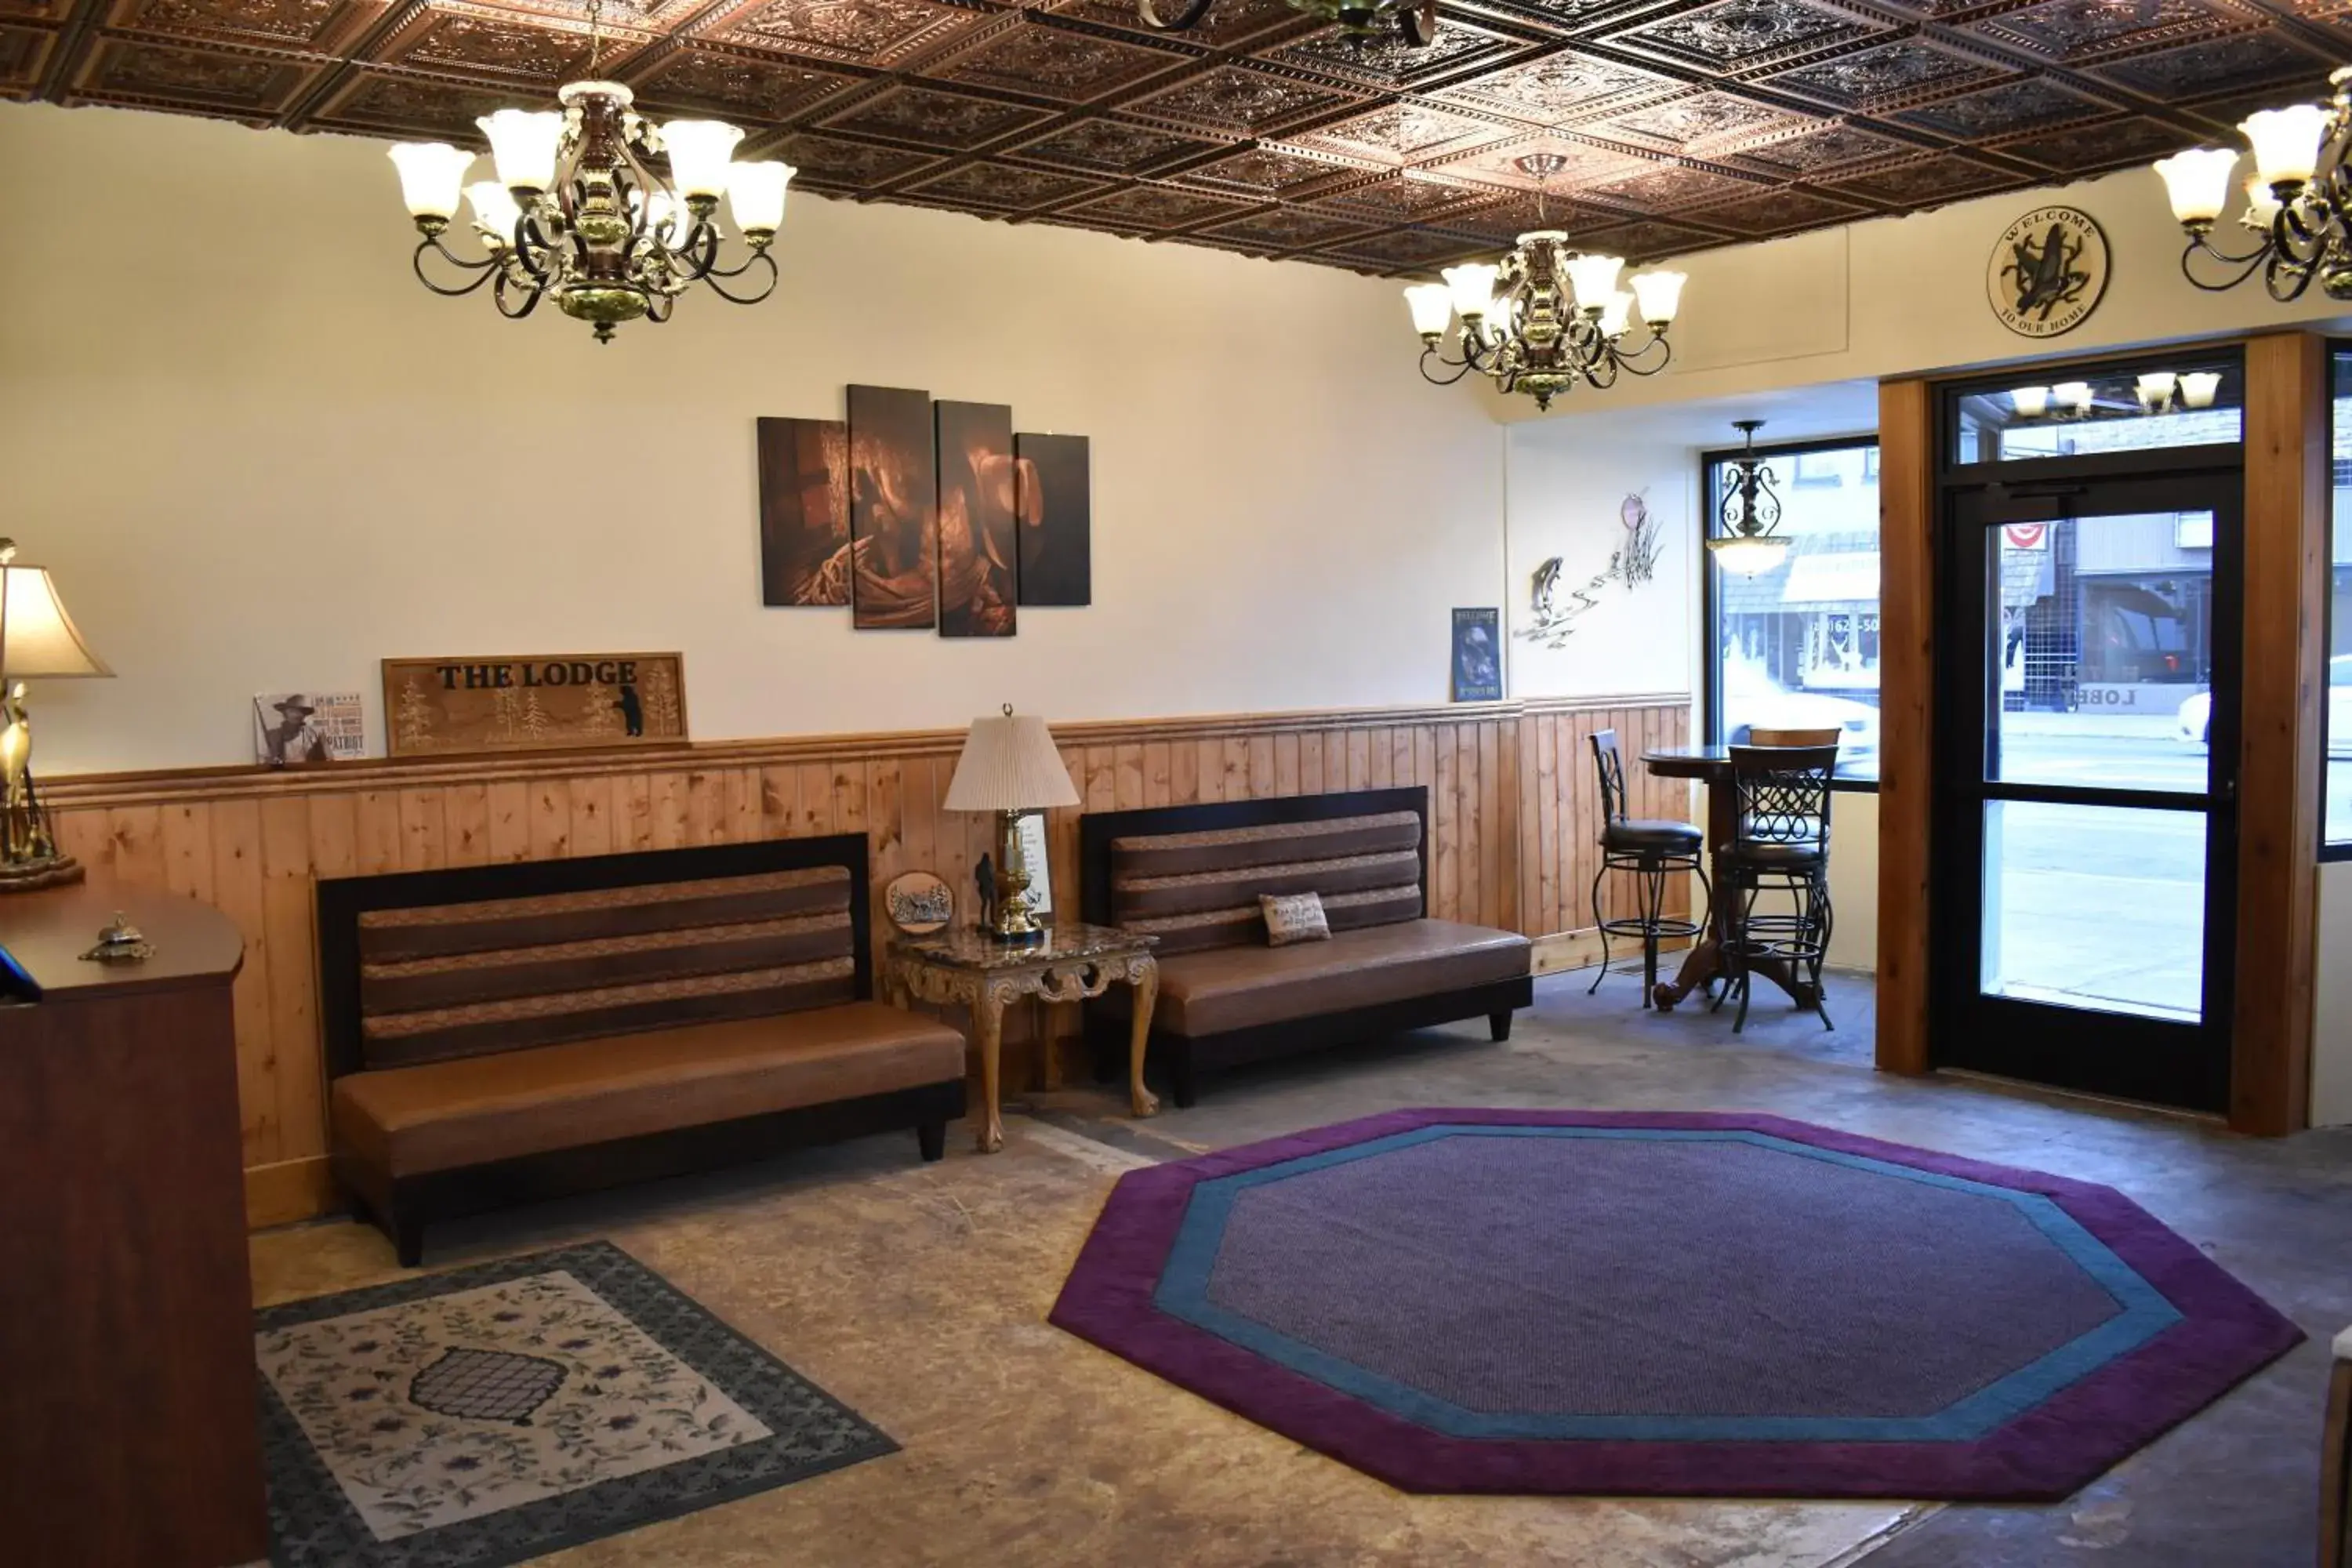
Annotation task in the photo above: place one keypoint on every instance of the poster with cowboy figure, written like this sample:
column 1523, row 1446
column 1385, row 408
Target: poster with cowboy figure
column 298, row 728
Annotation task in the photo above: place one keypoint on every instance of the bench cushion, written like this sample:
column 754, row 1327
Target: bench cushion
column 1240, row 987
column 1200, row 889
column 469, row 1110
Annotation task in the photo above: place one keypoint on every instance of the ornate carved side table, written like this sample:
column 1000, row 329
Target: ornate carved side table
column 1074, row 962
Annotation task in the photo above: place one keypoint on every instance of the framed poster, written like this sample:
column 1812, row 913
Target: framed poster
column 1039, row 895
column 803, row 512
column 297, row 729
column 893, row 510
column 1477, row 655
column 538, row 702
column 1056, row 520
column 977, row 497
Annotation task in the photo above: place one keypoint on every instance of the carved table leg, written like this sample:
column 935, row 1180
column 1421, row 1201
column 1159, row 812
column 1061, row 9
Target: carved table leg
column 1049, row 1064
column 1144, row 976
column 988, row 1024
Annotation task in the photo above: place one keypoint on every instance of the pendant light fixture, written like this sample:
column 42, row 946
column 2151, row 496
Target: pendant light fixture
column 1751, row 511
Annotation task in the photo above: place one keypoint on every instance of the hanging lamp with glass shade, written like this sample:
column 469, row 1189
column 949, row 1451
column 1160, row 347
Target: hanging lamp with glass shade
column 1747, row 546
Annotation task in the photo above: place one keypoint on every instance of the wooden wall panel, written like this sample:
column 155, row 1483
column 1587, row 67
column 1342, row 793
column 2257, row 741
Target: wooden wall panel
column 1512, row 810
column 1906, row 509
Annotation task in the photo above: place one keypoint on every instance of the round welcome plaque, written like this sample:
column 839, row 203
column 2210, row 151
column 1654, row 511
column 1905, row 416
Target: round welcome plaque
column 2047, row 271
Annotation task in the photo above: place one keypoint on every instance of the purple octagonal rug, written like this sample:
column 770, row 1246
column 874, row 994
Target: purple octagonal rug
column 1665, row 1303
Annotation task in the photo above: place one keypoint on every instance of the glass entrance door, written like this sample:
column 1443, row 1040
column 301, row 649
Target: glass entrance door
column 2087, row 742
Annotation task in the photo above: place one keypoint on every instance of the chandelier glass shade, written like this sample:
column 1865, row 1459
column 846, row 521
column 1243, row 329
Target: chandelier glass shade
column 1750, row 510
column 578, row 210
column 2298, row 207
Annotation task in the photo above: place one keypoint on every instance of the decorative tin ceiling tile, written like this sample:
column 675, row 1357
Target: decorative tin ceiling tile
column 149, row 74
column 1055, row 62
column 1559, row 86
column 2010, row 107
column 2072, row 30
column 1404, row 129
column 1500, row 164
column 24, row 54
column 36, row 10
column 1926, row 182
column 2219, row 66
column 1400, row 248
column 1886, row 77
column 2081, row 148
column 1389, row 61
column 1288, row 229
column 923, row 118
column 1001, row 186
column 1503, row 222
column 1268, row 171
column 858, row 32
column 1228, row 23
column 1780, row 212
column 1648, row 240
column 830, row 163
column 1234, row 99
column 1698, row 117
column 1743, row 34
column 311, row 25
column 477, row 41
column 373, row 102
column 1663, row 187
column 1110, row 144
column 745, row 87
column 1155, row 207
column 1406, row 198
column 1833, row 148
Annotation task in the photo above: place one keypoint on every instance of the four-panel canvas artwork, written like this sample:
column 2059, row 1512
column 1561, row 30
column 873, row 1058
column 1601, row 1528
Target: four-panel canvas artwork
column 919, row 515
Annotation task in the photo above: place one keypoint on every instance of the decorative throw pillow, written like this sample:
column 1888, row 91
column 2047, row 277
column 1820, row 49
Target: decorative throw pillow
column 1294, row 917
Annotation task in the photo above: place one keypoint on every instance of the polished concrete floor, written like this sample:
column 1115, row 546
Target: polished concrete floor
column 918, row 1294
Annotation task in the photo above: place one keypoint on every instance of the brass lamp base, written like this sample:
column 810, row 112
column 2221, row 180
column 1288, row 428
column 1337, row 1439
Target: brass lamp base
column 1010, row 919
column 31, row 876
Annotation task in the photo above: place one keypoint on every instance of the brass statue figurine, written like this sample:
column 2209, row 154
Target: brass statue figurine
column 27, row 853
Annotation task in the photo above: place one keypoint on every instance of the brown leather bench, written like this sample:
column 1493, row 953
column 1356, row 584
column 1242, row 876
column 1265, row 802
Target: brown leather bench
column 498, row 1034
column 1191, row 875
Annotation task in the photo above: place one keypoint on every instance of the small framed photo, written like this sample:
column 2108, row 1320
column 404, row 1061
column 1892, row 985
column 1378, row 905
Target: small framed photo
column 1040, row 894
column 299, row 728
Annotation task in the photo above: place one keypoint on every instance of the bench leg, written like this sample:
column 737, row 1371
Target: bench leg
column 1498, row 1025
column 931, row 1138
column 407, row 1237
column 1180, row 1083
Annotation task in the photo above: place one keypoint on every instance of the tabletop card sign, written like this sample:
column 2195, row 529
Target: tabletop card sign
column 543, row 702
column 2047, row 271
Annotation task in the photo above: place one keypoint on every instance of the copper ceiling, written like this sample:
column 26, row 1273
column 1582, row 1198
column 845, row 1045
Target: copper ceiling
column 1685, row 123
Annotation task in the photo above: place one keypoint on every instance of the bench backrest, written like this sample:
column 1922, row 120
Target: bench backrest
column 1191, row 875
column 422, row 966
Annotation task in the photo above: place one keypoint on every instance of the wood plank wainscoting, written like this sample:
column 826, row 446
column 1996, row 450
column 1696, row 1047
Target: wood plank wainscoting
column 1512, row 810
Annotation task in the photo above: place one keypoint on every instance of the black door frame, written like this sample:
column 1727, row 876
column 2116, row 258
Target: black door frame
column 2117, row 1054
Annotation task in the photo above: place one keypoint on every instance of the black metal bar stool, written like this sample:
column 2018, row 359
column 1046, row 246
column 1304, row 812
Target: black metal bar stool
column 1779, row 844
column 1652, row 849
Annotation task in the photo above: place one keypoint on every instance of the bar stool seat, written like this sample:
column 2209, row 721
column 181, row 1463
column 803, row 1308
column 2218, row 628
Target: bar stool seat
column 1636, row 834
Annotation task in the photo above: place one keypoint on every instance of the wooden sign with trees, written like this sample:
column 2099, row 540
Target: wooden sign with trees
column 453, row 706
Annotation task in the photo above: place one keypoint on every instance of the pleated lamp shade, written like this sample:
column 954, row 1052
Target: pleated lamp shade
column 37, row 636
column 1009, row 763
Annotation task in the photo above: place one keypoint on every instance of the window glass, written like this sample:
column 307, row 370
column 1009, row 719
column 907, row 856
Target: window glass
column 1797, row 647
column 2194, row 403
column 2339, row 617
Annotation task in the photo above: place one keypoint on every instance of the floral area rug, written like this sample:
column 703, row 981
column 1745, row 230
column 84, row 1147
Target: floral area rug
column 483, row 1416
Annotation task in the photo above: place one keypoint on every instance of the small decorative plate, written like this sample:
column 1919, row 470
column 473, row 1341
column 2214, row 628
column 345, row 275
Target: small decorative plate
column 919, row 903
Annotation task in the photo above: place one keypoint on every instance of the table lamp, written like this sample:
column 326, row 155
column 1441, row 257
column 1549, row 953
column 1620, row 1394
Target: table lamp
column 1010, row 766
column 37, row 638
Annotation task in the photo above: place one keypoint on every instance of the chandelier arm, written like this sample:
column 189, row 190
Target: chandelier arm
column 529, row 297
column 533, row 251
column 1459, row 367
column 2246, row 266
column 1638, row 361
column 710, row 280
column 483, row 270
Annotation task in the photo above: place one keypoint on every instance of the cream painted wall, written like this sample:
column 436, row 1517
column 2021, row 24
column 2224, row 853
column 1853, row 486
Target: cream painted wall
column 2331, row 1067
column 260, row 456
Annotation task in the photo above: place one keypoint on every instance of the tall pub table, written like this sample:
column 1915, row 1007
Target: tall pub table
column 1712, row 766
column 129, row 1432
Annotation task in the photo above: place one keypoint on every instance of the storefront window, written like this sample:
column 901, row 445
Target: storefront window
column 1797, row 647
column 2192, row 403
column 2339, row 618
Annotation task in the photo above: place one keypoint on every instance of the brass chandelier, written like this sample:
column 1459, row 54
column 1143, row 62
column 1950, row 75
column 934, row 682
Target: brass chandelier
column 2298, row 200
column 1546, row 316
column 577, row 211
